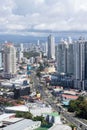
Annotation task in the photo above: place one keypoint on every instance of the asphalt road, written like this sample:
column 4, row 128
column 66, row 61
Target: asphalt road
column 70, row 118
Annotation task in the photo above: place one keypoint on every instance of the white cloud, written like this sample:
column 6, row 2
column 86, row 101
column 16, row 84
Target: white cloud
column 19, row 15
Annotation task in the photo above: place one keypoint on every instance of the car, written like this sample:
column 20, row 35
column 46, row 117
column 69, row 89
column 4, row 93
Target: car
column 80, row 125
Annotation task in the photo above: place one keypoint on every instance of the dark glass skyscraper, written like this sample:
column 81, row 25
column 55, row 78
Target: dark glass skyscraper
column 51, row 47
column 80, row 64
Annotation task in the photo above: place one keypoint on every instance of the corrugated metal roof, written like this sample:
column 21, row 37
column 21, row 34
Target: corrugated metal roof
column 12, row 120
column 5, row 115
column 18, row 108
column 22, row 125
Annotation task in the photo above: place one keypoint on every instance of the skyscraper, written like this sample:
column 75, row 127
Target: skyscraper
column 45, row 48
column 0, row 59
column 20, row 56
column 70, row 58
column 51, row 47
column 20, row 53
column 65, row 58
column 21, row 47
column 9, row 60
column 80, row 64
column 61, row 58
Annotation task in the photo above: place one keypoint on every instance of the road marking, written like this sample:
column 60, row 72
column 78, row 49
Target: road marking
column 81, row 122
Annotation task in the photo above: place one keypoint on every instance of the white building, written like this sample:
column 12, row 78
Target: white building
column 53, row 118
column 31, row 60
column 35, row 109
column 5, row 116
column 20, row 53
column 20, row 56
column 46, row 48
column 25, row 124
column 18, row 81
column 60, row 127
column 51, row 47
column 0, row 59
column 9, row 60
column 21, row 47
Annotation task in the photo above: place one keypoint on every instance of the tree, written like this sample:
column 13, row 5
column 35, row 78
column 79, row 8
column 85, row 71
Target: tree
column 72, row 106
column 72, row 126
column 82, row 110
column 79, row 106
column 43, row 121
column 38, row 118
column 81, row 98
column 26, row 115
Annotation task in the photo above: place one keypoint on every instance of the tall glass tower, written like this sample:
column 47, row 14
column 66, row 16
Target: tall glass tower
column 51, row 47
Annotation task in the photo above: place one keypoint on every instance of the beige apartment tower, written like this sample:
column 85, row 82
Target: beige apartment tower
column 9, row 60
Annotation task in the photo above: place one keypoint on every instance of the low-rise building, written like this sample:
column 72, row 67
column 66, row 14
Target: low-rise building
column 5, row 116
column 50, row 69
column 53, row 118
column 69, row 97
column 35, row 108
column 60, row 127
column 24, row 124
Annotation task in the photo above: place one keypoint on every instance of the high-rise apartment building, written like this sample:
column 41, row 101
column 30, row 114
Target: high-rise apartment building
column 44, row 48
column 65, row 58
column 20, row 53
column 0, row 59
column 21, row 47
column 20, row 56
column 51, row 47
column 61, row 58
column 80, row 64
column 9, row 60
column 70, row 59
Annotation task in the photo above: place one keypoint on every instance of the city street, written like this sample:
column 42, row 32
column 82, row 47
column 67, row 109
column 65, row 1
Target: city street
column 49, row 99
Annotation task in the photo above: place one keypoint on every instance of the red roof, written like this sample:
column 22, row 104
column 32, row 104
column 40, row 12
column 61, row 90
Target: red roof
column 69, row 96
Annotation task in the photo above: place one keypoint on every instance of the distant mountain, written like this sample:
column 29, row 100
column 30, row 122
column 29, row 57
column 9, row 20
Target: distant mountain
column 43, row 37
column 21, row 38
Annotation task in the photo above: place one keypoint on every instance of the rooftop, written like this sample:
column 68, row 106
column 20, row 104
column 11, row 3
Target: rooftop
column 12, row 120
column 71, row 92
column 22, row 108
column 60, row 127
column 22, row 125
column 54, row 114
column 69, row 96
column 35, row 108
column 5, row 115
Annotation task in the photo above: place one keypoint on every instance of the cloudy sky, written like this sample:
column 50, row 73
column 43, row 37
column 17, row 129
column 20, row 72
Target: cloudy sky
column 23, row 16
